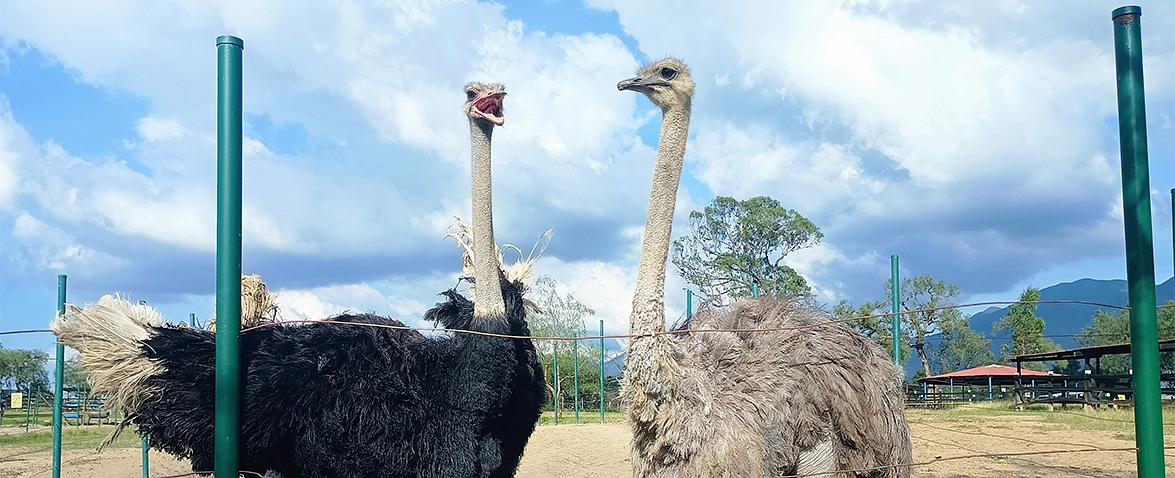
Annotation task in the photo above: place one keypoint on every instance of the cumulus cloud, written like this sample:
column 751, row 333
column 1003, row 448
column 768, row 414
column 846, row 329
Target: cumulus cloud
column 946, row 137
column 976, row 141
column 376, row 88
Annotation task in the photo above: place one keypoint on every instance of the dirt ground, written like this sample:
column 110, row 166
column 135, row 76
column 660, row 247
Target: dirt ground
column 601, row 450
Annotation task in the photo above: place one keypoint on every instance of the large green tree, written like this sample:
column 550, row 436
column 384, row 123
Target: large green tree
column 75, row 375
column 562, row 315
column 732, row 244
column 1027, row 330
column 962, row 347
column 23, row 368
column 917, row 294
column 1114, row 328
column 878, row 328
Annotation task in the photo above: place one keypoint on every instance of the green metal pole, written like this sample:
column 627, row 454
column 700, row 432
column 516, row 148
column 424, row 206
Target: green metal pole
column 27, row 409
column 228, row 256
column 601, row 370
column 575, row 373
column 146, row 465
column 59, row 378
column 689, row 305
column 192, row 319
column 754, row 290
column 555, row 374
column 36, row 408
column 1140, row 253
column 894, row 307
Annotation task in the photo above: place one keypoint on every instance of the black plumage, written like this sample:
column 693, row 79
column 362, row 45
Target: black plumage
column 326, row 400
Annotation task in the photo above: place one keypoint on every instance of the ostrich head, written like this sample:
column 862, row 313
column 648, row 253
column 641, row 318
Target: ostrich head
column 667, row 83
column 483, row 102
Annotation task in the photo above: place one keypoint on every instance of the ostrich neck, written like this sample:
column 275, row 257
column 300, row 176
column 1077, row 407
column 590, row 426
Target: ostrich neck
column 487, row 295
column 648, row 303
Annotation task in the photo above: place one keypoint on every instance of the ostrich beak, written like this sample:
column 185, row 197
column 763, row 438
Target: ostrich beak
column 489, row 107
column 639, row 83
column 630, row 84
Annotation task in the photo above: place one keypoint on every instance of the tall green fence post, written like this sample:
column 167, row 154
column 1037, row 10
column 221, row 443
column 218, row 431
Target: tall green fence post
column 228, row 257
column 59, row 379
column 28, row 410
column 601, row 370
column 575, row 372
column 754, row 290
column 1140, row 253
column 895, row 307
column 555, row 375
column 192, row 319
column 146, row 464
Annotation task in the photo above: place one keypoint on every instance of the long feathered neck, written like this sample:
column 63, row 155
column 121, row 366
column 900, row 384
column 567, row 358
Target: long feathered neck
column 651, row 371
column 487, row 294
column 648, row 303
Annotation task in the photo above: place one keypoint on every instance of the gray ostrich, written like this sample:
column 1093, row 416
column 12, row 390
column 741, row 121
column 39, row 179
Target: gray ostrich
column 820, row 400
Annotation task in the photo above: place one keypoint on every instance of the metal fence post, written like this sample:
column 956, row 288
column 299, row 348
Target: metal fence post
column 894, row 307
column 602, row 370
column 59, row 378
column 1140, row 253
column 228, row 256
column 575, row 372
column 555, row 374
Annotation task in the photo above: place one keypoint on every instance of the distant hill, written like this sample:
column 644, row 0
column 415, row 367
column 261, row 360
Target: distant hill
column 1062, row 321
column 1067, row 320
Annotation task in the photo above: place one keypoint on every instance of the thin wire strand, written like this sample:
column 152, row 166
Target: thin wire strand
column 664, row 332
column 686, row 331
column 971, row 456
column 35, row 331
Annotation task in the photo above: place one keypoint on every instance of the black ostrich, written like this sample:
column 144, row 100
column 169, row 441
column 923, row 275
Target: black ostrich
column 340, row 399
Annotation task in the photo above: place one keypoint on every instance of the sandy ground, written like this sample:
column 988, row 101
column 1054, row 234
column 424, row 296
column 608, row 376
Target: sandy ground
column 601, row 450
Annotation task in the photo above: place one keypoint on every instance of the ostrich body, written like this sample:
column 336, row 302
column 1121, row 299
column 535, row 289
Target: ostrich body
column 329, row 399
column 822, row 399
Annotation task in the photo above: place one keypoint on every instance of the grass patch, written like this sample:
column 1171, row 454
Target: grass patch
column 17, row 417
column 71, row 438
column 1119, row 422
column 566, row 418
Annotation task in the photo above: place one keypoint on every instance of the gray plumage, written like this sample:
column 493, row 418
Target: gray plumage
column 819, row 401
column 758, row 403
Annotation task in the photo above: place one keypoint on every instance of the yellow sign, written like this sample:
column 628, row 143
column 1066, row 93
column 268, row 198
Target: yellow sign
column 16, row 401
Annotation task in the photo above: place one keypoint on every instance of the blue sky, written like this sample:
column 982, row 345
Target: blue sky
column 978, row 141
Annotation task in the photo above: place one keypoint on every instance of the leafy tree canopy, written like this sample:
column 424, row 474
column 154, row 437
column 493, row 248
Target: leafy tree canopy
column 1114, row 328
column 928, row 296
column 562, row 315
column 1027, row 330
column 22, row 368
column 734, row 244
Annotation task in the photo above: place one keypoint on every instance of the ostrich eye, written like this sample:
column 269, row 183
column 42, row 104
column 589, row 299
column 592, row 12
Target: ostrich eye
column 470, row 94
column 668, row 73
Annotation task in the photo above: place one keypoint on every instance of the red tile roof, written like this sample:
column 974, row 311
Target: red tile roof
column 992, row 370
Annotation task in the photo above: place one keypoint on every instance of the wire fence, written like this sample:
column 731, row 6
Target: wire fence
column 583, row 405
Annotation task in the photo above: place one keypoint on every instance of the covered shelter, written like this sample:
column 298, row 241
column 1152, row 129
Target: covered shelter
column 1090, row 355
column 986, row 375
column 986, row 382
column 1092, row 387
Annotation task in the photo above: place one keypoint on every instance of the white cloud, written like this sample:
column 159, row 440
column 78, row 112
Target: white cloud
column 156, row 129
column 949, row 137
column 340, row 72
column 939, row 136
column 28, row 226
